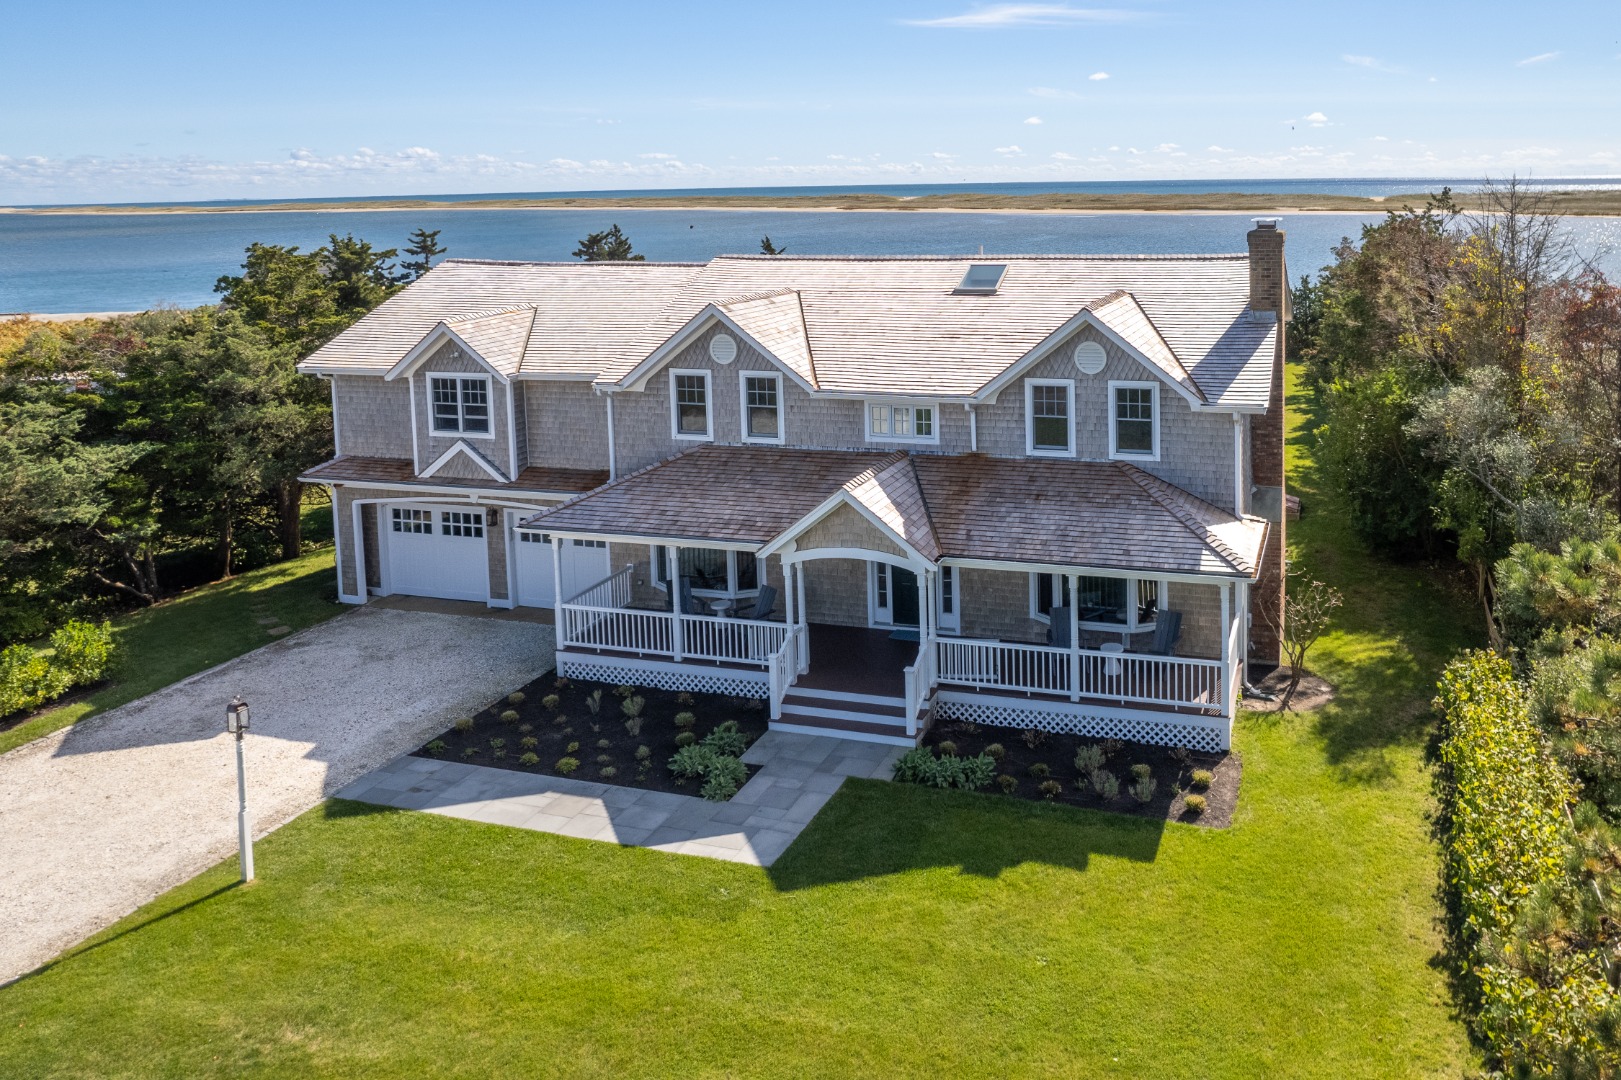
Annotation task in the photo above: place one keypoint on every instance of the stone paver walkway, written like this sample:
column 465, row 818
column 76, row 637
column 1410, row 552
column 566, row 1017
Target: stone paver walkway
column 798, row 774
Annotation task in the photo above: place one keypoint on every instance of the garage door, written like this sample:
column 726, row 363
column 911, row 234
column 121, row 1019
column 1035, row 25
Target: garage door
column 533, row 557
column 437, row 551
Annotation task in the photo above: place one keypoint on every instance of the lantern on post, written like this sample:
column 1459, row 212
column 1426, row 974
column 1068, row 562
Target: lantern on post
column 236, row 723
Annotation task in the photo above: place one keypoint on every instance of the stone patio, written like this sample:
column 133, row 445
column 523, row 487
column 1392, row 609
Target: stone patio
column 798, row 775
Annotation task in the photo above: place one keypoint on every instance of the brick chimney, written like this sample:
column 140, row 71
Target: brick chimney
column 1269, row 302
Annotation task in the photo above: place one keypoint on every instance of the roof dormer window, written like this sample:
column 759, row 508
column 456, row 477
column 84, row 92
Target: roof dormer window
column 982, row 279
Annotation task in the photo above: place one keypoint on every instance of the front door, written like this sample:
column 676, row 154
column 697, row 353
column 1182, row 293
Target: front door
column 904, row 584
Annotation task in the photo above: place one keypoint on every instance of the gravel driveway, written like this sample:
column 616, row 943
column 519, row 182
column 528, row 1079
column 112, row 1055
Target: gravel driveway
column 100, row 818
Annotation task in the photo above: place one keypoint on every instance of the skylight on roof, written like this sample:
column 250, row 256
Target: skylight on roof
column 982, row 278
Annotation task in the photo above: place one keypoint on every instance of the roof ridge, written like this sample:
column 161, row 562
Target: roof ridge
column 746, row 298
column 992, row 256
column 923, row 497
column 1187, row 376
column 804, row 330
column 489, row 313
column 562, row 262
column 1150, row 484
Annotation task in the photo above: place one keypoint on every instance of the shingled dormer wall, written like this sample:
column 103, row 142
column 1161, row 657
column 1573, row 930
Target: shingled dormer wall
column 1269, row 298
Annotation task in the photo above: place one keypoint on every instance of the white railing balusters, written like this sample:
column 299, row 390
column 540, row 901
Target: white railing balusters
column 1043, row 669
column 612, row 591
column 782, row 669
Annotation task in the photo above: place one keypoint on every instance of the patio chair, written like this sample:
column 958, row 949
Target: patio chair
column 1167, row 630
column 762, row 604
column 690, row 605
column 1058, row 632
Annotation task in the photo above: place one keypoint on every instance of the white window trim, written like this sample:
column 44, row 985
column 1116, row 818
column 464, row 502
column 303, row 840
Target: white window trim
column 902, row 403
column 1130, row 626
column 489, row 397
column 743, row 378
column 1030, row 447
column 709, row 407
column 656, row 556
column 1127, row 384
column 943, row 620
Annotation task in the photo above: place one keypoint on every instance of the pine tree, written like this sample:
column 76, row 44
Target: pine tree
column 424, row 248
column 768, row 248
column 610, row 246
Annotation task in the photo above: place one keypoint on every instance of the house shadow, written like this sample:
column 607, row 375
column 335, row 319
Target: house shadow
column 876, row 829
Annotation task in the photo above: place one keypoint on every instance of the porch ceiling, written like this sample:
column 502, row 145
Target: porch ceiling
column 1098, row 515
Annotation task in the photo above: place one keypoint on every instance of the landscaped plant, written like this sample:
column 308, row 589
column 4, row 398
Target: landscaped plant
column 531, row 758
column 28, row 679
column 571, row 748
column 633, row 725
column 920, row 766
column 624, row 691
column 559, row 720
column 1201, row 779
column 1050, row 789
column 528, row 742
column 515, row 698
column 1143, row 789
column 1194, row 804
column 1141, row 771
column 496, row 744
column 726, row 740
column 683, row 698
column 607, row 772
column 567, row 765
column 1041, row 770
column 562, row 683
column 1307, row 608
column 1180, row 754
column 593, row 701
column 633, row 705
column 510, row 716
column 551, row 701
column 643, row 753
column 1089, row 757
column 996, row 752
column 691, row 761
column 1105, row 785
column 437, row 747
column 526, row 728
column 1008, row 784
column 498, row 754
column 605, row 759
column 686, row 738
column 1034, row 737
column 685, row 720
column 947, row 748
column 462, row 723
column 469, row 751
column 1111, row 747
column 724, row 777
column 604, row 744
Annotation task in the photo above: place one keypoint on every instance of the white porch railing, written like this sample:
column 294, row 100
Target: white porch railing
column 1044, row 669
column 620, row 629
column 660, row 633
column 782, row 667
column 710, row 637
column 612, row 591
column 920, row 680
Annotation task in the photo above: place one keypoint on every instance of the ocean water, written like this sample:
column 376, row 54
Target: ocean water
column 128, row 262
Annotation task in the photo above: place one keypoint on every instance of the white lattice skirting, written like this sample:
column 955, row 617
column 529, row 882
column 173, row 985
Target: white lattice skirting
column 627, row 671
column 1156, row 729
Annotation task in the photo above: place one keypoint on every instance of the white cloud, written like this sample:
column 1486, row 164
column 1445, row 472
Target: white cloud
column 1381, row 138
column 1061, row 156
column 1098, row 76
column 656, row 157
column 1539, row 58
column 1052, row 93
column 564, row 163
column 1218, row 149
column 938, row 156
column 1009, row 151
column 1315, row 118
column 1360, row 61
column 1032, row 120
column 1165, row 147
column 1001, row 16
column 1114, row 148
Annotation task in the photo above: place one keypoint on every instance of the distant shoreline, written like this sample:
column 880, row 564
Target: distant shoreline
column 1572, row 203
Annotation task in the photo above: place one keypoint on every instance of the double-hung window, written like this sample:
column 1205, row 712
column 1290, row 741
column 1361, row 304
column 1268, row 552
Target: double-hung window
column 910, row 421
column 762, row 407
column 689, row 404
column 1103, row 603
column 710, row 571
column 1050, row 409
column 1134, row 420
column 461, row 404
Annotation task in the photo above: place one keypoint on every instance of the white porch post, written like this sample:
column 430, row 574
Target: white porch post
column 559, row 619
column 804, row 617
column 673, row 561
column 1074, row 637
column 787, row 591
column 1226, row 649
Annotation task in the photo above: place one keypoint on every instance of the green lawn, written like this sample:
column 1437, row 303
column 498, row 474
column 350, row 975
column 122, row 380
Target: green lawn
column 165, row 643
column 908, row 932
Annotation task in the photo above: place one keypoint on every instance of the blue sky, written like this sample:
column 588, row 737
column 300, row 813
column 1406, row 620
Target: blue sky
column 196, row 101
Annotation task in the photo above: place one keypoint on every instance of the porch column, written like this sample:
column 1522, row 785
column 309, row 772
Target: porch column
column 804, row 617
column 559, row 620
column 1226, row 649
column 787, row 591
column 1074, row 637
column 673, row 559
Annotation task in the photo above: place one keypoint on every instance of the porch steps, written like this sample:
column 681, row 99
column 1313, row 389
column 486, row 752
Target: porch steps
column 862, row 717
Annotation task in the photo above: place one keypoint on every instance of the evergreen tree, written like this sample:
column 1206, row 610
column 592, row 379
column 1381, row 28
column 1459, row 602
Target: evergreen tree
column 423, row 249
column 610, row 246
column 768, row 248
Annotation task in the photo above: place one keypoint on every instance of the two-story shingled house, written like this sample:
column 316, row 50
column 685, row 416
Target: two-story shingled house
column 1035, row 491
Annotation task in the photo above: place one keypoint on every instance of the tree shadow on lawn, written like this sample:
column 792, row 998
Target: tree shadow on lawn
column 872, row 828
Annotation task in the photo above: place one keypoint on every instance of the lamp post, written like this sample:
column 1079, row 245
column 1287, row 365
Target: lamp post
column 236, row 723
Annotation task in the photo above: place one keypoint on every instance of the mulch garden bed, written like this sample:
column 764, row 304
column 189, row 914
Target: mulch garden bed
column 557, row 714
column 1026, row 754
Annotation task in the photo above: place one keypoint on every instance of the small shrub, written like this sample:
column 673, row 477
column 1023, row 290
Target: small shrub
column 683, row 698
column 531, row 759
column 605, row 759
column 686, row 738
column 562, row 682
column 437, row 747
column 498, row 754
column 996, row 752
column 947, row 748
column 462, row 723
column 604, row 744
column 526, row 728
column 1194, row 804
column 1112, row 747
column 1105, row 785
column 1008, row 784
column 1140, row 771
column 515, row 698
column 633, row 706
column 1050, row 789
column 643, row 753
column 593, row 701
column 633, row 726
column 496, row 744
column 1181, row 754
column 1041, row 770
column 528, row 742
column 551, row 701
column 567, row 765
column 1201, row 779
column 910, row 768
column 965, row 727
column 685, row 720
column 624, row 691
column 469, row 751
column 1089, row 757
column 975, row 772
column 1143, row 789
column 920, row 766
column 559, row 720
column 690, row 761
column 1034, row 737
column 80, row 652
column 607, row 772
column 572, row 748
column 726, row 740
column 510, row 716
column 725, row 776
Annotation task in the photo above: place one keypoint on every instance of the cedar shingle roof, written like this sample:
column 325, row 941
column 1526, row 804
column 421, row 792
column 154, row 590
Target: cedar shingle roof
column 1106, row 515
column 349, row 469
column 847, row 325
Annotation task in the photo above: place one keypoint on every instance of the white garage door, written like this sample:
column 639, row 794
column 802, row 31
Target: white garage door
column 437, row 551
column 585, row 562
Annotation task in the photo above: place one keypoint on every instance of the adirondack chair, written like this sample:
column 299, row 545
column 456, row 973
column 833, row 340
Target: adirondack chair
column 762, row 604
column 1167, row 630
column 1058, row 632
column 690, row 605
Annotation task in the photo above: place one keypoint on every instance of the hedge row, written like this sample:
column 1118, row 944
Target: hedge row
column 78, row 655
column 1506, row 840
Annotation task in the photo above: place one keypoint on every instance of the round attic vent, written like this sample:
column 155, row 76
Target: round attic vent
column 723, row 348
column 1090, row 357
